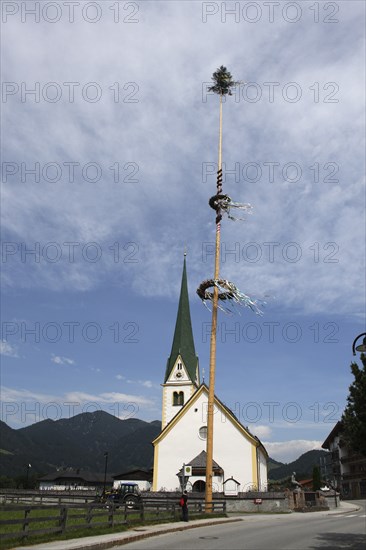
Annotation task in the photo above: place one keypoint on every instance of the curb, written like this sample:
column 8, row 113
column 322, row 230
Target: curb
column 349, row 511
column 120, row 539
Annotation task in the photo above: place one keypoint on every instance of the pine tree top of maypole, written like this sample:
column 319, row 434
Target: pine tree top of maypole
column 223, row 82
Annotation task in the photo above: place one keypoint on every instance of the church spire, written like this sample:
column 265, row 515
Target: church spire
column 183, row 343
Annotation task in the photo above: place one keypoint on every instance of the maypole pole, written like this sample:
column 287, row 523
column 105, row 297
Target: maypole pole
column 222, row 85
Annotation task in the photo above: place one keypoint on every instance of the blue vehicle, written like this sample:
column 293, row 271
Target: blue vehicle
column 127, row 494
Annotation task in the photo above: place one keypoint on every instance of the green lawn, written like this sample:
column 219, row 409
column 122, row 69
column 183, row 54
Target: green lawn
column 76, row 517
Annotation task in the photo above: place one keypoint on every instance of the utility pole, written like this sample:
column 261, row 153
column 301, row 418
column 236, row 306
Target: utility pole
column 105, row 471
column 27, row 476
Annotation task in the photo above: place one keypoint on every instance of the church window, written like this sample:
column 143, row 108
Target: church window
column 179, row 366
column 178, row 398
column 202, row 432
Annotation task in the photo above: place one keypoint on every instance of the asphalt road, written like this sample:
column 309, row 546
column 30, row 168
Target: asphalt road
column 270, row 532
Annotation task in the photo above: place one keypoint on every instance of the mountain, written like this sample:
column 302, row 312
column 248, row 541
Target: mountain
column 78, row 442
column 273, row 464
column 82, row 440
column 303, row 466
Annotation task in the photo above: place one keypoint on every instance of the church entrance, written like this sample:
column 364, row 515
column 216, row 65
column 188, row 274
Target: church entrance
column 199, row 486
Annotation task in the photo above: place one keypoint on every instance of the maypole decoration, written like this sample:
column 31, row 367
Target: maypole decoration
column 223, row 290
column 229, row 294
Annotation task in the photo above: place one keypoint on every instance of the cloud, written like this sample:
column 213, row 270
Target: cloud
column 107, row 397
column 77, row 397
column 21, row 396
column 260, row 431
column 144, row 383
column 24, row 407
column 120, row 377
column 62, row 360
column 318, row 136
column 7, row 349
column 287, row 451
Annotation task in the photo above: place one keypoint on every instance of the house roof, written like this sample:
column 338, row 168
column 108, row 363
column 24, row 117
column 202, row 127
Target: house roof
column 204, row 389
column 231, row 479
column 135, row 475
column 335, row 431
column 183, row 343
column 199, row 462
column 76, row 474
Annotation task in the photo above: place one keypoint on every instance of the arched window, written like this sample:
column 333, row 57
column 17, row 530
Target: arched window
column 199, row 486
column 178, row 398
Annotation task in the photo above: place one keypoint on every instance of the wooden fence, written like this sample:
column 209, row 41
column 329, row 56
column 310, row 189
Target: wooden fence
column 60, row 519
column 13, row 496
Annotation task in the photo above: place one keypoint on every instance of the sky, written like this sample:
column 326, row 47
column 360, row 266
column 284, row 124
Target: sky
column 109, row 155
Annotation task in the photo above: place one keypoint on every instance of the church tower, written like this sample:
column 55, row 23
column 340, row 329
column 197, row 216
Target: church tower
column 182, row 370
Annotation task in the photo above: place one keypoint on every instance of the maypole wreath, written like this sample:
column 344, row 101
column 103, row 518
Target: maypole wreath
column 224, row 204
column 228, row 293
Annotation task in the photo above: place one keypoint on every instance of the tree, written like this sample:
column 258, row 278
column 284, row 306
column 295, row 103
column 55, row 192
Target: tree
column 7, row 482
column 354, row 416
column 316, row 478
column 223, row 82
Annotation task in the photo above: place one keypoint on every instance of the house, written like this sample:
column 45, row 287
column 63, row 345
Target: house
column 347, row 468
column 141, row 477
column 306, row 484
column 74, row 479
column 237, row 453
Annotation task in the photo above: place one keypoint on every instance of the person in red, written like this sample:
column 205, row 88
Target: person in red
column 183, row 503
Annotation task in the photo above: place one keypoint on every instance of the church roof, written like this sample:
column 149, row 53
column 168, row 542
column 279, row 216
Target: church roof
column 229, row 413
column 183, row 343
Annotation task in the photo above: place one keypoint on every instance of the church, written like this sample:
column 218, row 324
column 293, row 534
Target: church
column 239, row 458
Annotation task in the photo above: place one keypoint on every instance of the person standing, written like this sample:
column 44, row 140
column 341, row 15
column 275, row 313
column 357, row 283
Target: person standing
column 184, row 506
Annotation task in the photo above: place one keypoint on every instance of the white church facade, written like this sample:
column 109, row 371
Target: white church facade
column 239, row 458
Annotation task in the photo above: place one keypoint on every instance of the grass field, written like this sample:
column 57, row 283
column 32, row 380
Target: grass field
column 76, row 518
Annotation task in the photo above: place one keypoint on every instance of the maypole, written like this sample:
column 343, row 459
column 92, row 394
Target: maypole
column 224, row 291
column 223, row 83
column 225, row 295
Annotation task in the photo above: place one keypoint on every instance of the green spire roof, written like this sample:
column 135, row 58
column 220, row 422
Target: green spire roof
column 183, row 343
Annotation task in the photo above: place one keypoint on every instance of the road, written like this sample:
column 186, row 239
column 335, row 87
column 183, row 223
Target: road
column 270, row 532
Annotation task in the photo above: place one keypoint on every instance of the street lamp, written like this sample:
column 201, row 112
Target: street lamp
column 105, row 470
column 183, row 476
column 362, row 347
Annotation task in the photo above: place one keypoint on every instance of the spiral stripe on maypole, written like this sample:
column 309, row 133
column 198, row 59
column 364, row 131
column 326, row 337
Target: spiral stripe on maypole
column 219, row 192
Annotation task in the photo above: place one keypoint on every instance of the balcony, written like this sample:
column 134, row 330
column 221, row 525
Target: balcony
column 354, row 459
column 355, row 475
